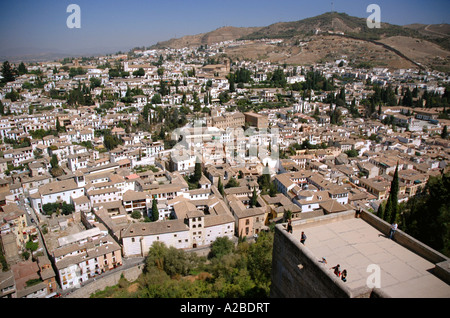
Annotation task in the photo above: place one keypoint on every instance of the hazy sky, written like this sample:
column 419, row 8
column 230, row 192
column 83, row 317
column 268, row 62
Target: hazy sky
column 113, row 25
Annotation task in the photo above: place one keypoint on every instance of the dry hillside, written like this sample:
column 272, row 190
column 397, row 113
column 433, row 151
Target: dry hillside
column 219, row 35
column 320, row 49
column 427, row 45
column 421, row 51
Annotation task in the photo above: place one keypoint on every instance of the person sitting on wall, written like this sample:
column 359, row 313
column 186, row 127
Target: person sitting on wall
column 393, row 229
column 344, row 275
column 289, row 226
column 303, row 238
column 337, row 270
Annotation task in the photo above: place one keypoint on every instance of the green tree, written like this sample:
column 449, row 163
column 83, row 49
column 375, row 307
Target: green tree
column 7, row 72
column 220, row 186
column 95, row 82
column 54, row 162
column 136, row 215
column 352, row 153
column 253, row 199
column 172, row 261
column 160, row 71
column 232, row 183
column 260, row 262
column 110, row 142
column 444, row 134
column 139, row 73
column 156, row 99
column 67, row 209
column 287, row 214
column 380, row 212
column 393, row 197
column 155, row 212
column 278, row 78
column 387, row 210
column 197, row 172
column 32, row 246
column 22, row 69
column 426, row 216
column 220, row 247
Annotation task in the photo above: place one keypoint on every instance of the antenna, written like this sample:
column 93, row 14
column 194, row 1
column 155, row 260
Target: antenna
column 332, row 6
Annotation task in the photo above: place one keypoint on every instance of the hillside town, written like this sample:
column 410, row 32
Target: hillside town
column 102, row 156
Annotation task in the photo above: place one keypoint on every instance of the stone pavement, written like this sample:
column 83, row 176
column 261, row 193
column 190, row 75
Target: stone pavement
column 355, row 244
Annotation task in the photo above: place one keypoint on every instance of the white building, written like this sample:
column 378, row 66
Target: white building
column 58, row 191
column 85, row 255
column 192, row 228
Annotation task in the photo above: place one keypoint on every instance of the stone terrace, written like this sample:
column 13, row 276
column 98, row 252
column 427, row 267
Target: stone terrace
column 355, row 244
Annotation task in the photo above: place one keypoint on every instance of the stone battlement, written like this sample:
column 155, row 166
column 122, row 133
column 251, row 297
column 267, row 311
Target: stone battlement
column 407, row 267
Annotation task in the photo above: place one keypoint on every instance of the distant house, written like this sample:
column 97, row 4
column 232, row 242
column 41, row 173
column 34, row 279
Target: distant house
column 85, row 255
column 59, row 191
column 249, row 221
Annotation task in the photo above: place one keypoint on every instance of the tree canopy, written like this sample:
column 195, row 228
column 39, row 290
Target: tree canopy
column 426, row 216
column 242, row 271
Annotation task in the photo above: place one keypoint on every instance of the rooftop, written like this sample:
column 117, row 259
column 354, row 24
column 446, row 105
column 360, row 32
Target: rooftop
column 355, row 244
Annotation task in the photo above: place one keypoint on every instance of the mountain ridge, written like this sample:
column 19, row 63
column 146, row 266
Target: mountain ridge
column 221, row 34
column 432, row 41
column 326, row 22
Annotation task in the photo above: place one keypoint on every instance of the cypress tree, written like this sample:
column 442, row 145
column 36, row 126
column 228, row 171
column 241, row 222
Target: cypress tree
column 155, row 213
column 380, row 212
column 22, row 69
column 197, row 171
column 387, row 210
column 254, row 198
column 220, row 186
column 7, row 72
column 393, row 197
column 444, row 133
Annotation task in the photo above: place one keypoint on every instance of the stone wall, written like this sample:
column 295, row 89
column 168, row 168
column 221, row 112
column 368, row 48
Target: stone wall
column 295, row 270
column 131, row 274
column 296, row 273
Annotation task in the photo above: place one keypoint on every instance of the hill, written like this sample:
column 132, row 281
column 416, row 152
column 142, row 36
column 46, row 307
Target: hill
column 227, row 33
column 438, row 33
column 330, row 36
column 433, row 30
column 331, row 22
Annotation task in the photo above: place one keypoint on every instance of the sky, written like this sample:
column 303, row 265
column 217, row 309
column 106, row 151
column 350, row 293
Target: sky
column 110, row 26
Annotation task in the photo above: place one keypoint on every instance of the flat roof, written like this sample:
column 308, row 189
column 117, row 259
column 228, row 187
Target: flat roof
column 355, row 244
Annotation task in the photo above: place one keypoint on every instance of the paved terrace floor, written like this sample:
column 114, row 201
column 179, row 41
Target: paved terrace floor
column 355, row 244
